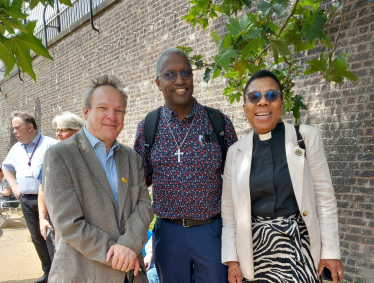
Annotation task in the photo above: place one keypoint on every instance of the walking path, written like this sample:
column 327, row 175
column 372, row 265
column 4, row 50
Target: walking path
column 19, row 261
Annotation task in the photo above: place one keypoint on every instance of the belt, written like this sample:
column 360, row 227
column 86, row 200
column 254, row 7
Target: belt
column 193, row 222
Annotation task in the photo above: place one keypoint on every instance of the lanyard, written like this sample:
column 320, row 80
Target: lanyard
column 32, row 154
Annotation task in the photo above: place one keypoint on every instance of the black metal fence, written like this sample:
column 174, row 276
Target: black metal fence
column 60, row 17
column 56, row 19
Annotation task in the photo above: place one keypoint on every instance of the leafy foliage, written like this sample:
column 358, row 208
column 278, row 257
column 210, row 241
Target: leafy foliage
column 278, row 29
column 17, row 36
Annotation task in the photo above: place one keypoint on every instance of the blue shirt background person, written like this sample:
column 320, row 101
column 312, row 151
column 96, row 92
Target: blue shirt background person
column 151, row 272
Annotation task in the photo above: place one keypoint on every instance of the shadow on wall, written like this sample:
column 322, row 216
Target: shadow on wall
column 38, row 113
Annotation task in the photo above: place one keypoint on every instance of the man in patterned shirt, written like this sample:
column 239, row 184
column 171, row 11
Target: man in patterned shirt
column 186, row 179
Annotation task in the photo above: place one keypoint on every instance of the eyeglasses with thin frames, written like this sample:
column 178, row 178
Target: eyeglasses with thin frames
column 63, row 131
column 171, row 76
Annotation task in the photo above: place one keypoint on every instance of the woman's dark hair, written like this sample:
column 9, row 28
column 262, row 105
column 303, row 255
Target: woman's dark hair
column 262, row 74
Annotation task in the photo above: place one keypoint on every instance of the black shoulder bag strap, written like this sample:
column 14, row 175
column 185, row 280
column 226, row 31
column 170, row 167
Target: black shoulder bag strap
column 218, row 123
column 300, row 139
column 150, row 126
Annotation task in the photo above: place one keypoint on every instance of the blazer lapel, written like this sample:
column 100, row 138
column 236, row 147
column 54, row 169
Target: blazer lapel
column 243, row 164
column 93, row 163
column 295, row 162
column 122, row 163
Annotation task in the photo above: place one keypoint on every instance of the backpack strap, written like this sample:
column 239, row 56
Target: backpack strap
column 218, row 123
column 300, row 139
column 150, row 126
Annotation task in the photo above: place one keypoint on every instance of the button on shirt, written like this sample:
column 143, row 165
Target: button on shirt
column 191, row 188
column 272, row 193
column 17, row 159
column 107, row 161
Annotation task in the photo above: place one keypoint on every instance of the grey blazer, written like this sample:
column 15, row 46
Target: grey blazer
column 84, row 212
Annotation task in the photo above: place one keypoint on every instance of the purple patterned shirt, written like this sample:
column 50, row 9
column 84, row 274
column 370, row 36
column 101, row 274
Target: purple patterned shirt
column 191, row 188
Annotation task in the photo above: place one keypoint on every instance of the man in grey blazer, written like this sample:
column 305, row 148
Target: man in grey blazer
column 96, row 195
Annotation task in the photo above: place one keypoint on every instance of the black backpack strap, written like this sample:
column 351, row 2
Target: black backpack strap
column 218, row 123
column 300, row 139
column 150, row 126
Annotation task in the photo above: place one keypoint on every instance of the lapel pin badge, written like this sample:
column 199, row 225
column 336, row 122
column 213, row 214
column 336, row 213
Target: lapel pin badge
column 124, row 180
column 298, row 152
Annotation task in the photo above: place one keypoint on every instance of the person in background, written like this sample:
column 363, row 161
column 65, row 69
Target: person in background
column 280, row 220
column 26, row 157
column 5, row 196
column 6, row 193
column 148, row 260
column 65, row 125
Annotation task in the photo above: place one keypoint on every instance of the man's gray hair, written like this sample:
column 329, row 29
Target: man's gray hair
column 165, row 54
column 105, row 80
column 68, row 120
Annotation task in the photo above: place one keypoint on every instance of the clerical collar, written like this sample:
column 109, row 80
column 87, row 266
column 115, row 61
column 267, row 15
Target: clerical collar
column 272, row 133
column 265, row 137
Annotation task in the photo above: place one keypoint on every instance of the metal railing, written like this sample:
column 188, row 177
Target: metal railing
column 57, row 19
column 60, row 15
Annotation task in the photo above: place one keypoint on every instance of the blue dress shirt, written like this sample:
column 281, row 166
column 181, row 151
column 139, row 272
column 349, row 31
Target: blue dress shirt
column 17, row 159
column 107, row 161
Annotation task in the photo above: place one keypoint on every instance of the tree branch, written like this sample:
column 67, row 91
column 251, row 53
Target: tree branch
column 336, row 41
column 288, row 19
column 289, row 68
column 280, row 31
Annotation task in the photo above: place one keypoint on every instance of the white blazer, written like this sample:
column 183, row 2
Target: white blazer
column 314, row 194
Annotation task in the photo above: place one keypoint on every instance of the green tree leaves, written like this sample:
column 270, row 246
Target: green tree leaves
column 278, row 46
column 224, row 57
column 317, row 65
column 236, row 27
column 17, row 38
column 312, row 25
column 335, row 72
column 16, row 49
column 215, row 36
column 283, row 27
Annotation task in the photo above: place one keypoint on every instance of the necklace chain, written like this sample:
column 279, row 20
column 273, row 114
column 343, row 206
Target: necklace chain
column 194, row 117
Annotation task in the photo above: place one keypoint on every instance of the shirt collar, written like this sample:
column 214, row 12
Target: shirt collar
column 169, row 114
column 34, row 141
column 94, row 140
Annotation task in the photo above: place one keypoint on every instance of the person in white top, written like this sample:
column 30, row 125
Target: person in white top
column 26, row 158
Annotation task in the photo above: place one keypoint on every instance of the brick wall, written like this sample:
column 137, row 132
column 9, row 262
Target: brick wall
column 344, row 113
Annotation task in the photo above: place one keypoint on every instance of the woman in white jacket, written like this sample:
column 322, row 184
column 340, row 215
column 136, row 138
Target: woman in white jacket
column 279, row 212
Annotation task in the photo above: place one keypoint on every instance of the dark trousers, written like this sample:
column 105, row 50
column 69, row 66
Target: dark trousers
column 45, row 249
column 181, row 252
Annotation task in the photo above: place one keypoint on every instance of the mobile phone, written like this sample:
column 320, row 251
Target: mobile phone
column 326, row 274
column 48, row 232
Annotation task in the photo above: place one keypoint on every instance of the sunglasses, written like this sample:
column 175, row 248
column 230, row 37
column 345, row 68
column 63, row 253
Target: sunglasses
column 171, row 76
column 270, row 95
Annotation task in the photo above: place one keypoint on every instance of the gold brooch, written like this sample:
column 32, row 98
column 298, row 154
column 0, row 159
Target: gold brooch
column 124, row 180
column 298, row 152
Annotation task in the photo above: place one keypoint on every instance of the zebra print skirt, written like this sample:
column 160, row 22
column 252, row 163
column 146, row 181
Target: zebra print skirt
column 281, row 250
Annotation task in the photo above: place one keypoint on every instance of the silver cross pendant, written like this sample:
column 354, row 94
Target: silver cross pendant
column 179, row 153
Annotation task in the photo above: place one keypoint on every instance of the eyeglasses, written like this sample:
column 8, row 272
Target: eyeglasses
column 171, row 76
column 63, row 131
column 270, row 95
